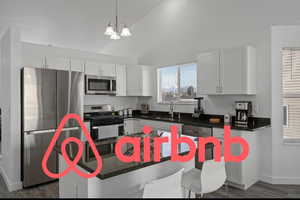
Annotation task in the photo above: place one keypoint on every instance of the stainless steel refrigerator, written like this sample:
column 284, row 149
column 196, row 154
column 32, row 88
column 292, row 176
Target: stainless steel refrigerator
column 47, row 96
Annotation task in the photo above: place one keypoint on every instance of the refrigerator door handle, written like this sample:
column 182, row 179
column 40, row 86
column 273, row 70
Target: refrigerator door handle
column 51, row 131
column 41, row 132
column 27, row 150
column 71, row 129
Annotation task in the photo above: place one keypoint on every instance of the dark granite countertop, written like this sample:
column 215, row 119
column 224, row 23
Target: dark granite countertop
column 254, row 124
column 112, row 166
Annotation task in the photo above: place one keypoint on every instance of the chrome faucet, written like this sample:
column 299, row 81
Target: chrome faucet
column 172, row 108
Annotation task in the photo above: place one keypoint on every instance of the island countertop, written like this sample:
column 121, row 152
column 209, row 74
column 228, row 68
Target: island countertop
column 112, row 166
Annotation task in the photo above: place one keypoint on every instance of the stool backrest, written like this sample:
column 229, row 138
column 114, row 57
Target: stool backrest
column 167, row 187
column 213, row 175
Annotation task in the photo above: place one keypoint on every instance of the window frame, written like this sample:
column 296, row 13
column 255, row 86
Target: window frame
column 180, row 101
column 287, row 141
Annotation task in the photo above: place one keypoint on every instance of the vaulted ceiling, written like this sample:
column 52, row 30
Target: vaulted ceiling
column 162, row 29
column 176, row 29
column 77, row 24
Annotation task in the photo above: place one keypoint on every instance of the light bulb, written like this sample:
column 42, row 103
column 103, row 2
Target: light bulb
column 115, row 36
column 125, row 32
column 109, row 30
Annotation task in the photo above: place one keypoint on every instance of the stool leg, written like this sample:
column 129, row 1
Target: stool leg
column 189, row 194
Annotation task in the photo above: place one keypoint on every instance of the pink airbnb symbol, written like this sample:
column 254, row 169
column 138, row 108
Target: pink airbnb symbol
column 70, row 163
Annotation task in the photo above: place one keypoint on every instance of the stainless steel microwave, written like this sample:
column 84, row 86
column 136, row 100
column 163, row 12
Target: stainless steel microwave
column 100, row 85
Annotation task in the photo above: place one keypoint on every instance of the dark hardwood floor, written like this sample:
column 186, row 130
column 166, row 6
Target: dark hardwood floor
column 259, row 190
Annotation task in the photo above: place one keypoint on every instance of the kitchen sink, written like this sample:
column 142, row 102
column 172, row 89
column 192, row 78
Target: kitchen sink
column 158, row 118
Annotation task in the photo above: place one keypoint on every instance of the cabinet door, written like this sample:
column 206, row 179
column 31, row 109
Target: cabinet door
column 147, row 77
column 77, row 65
column 121, row 80
column 108, row 69
column 57, row 62
column 234, row 169
column 29, row 60
column 132, row 126
column 100, row 69
column 208, row 73
column 134, row 81
column 232, row 70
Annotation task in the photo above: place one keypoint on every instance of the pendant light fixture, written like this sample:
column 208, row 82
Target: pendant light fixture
column 112, row 30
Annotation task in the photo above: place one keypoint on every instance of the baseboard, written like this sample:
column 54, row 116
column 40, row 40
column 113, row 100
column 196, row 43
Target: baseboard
column 286, row 180
column 266, row 179
column 280, row 180
column 10, row 186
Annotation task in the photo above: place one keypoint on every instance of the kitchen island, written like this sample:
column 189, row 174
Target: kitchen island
column 119, row 179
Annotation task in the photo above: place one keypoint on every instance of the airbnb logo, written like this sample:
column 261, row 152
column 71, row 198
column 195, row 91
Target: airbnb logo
column 71, row 164
column 174, row 141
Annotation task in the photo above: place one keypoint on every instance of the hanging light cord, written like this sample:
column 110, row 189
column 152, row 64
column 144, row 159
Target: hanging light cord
column 117, row 16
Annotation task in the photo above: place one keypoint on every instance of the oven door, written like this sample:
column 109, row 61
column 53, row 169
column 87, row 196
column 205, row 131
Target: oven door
column 104, row 148
column 99, row 85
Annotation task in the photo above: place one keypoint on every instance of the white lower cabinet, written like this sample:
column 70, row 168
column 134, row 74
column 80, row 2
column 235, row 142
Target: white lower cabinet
column 132, row 126
column 245, row 173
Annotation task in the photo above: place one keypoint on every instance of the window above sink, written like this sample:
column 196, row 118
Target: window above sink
column 177, row 83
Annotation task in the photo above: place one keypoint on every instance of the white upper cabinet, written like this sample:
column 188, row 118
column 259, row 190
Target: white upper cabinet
column 227, row 71
column 121, row 79
column 100, row 69
column 148, row 76
column 77, row 65
column 33, row 60
column 139, row 80
column 208, row 73
column 238, row 70
column 56, row 62
column 134, row 81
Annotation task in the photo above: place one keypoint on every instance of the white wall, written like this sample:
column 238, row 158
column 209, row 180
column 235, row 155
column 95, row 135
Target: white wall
column 10, row 104
column 286, row 162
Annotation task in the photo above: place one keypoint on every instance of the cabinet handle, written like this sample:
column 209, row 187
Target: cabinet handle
column 218, row 89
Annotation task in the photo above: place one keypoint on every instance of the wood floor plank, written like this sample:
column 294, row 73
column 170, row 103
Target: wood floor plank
column 258, row 190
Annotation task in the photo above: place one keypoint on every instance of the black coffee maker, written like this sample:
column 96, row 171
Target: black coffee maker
column 198, row 109
column 243, row 112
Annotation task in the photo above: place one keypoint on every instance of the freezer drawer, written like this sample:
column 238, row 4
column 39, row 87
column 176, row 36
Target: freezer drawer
column 35, row 145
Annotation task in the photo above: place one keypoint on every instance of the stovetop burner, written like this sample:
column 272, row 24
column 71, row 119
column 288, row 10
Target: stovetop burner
column 103, row 118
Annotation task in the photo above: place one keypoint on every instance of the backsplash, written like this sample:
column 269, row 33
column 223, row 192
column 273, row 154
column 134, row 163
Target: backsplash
column 117, row 102
column 212, row 105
